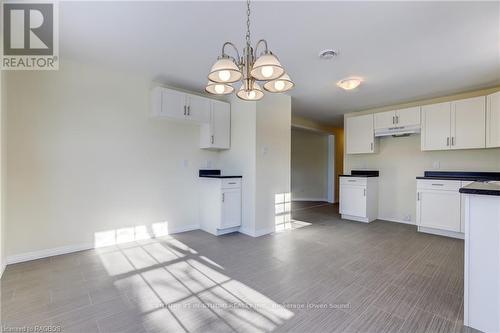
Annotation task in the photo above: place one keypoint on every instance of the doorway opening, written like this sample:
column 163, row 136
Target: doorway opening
column 312, row 168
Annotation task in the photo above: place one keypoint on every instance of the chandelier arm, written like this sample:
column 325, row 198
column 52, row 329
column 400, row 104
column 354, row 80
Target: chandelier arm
column 262, row 41
column 234, row 47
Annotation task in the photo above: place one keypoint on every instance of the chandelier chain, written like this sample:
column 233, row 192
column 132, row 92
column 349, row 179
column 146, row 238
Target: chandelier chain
column 248, row 23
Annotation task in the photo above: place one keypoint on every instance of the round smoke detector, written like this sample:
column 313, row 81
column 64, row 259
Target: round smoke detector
column 328, row 54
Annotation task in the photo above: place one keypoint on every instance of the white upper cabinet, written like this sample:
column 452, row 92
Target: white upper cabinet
column 468, row 119
column 454, row 125
column 436, row 126
column 173, row 104
column 360, row 135
column 213, row 115
column 408, row 116
column 385, row 119
column 493, row 120
column 198, row 108
column 179, row 105
column 398, row 118
column 216, row 134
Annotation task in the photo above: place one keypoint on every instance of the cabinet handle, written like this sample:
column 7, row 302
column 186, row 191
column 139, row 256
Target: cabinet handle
column 351, row 181
column 397, row 119
column 437, row 184
column 418, row 196
column 393, row 120
column 212, row 139
column 231, row 183
column 447, row 141
column 364, row 192
column 222, row 197
column 189, row 110
column 184, row 110
column 452, row 140
column 371, row 146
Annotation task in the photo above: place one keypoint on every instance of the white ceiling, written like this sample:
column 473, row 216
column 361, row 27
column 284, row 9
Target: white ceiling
column 405, row 51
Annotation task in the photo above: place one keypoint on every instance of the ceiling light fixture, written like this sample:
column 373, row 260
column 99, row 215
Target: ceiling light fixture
column 249, row 69
column 328, row 54
column 349, row 83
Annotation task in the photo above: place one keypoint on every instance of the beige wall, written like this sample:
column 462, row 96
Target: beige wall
column 309, row 165
column 400, row 160
column 300, row 122
column 84, row 156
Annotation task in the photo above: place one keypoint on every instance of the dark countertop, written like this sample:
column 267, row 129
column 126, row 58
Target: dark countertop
column 219, row 176
column 214, row 173
column 461, row 175
column 481, row 188
column 362, row 173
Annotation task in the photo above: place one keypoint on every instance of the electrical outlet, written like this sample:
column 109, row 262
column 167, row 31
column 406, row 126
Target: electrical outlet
column 407, row 218
column 436, row 165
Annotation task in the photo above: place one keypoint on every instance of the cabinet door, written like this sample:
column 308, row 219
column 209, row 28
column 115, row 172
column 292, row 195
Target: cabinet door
column 173, row 104
column 231, row 208
column 436, row 128
column 221, row 124
column 408, row 117
column 439, row 210
column 198, row 109
column 353, row 200
column 360, row 136
column 385, row 119
column 468, row 119
column 493, row 121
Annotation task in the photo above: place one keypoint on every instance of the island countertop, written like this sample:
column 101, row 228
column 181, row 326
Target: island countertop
column 481, row 188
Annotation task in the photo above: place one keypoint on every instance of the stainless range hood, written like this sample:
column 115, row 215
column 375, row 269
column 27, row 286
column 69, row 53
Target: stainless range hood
column 398, row 131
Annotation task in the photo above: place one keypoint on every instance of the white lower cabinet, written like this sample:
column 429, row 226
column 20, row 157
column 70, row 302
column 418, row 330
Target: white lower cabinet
column 220, row 205
column 359, row 198
column 440, row 207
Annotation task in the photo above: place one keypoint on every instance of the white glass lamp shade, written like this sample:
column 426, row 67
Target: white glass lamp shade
column 253, row 94
column 224, row 71
column 349, row 83
column 282, row 84
column 267, row 67
column 219, row 88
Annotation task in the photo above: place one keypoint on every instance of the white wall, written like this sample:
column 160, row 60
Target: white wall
column 400, row 160
column 260, row 152
column 274, row 121
column 84, row 156
column 309, row 165
column 241, row 158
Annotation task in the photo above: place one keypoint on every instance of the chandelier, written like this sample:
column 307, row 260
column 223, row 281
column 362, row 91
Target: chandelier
column 248, row 69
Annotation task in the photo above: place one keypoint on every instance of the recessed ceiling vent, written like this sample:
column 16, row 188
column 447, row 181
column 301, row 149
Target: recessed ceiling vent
column 328, row 54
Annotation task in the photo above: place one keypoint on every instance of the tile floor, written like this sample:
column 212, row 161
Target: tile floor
column 329, row 276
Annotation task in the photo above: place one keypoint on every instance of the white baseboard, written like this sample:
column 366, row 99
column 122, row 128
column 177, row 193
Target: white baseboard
column 183, row 229
column 257, row 233
column 439, row 232
column 309, row 199
column 47, row 253
column 75, row 248
column 2, row 269
column 396, row 220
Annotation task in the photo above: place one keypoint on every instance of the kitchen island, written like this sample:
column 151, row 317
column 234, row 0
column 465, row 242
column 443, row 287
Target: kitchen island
column 482, row 256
